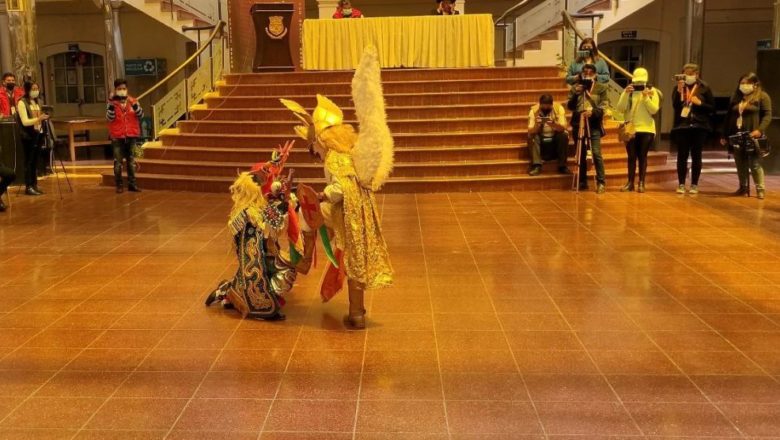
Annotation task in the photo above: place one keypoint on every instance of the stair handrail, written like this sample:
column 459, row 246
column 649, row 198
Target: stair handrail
column 568, row 22
column 510, row 10
column 218, row 28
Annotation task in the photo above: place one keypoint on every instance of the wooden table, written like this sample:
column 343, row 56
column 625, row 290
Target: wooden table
column 76, row 125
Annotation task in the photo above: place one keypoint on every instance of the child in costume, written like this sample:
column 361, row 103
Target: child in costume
column 268, row 242
column 356, row 165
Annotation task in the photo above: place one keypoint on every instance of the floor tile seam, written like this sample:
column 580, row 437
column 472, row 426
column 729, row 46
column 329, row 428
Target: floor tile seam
column 166, row 332
column 433, row 321
column 541, row 425
column 661, row 350
column 556, row 305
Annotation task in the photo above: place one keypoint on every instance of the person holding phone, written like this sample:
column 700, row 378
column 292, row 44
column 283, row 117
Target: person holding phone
column 694, row 105
column 124, row 115
column 588, row 53
column 31, row 119
column 639, row 103
column 547, row 126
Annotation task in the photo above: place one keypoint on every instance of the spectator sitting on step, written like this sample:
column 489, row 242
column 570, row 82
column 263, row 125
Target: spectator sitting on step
column 547, row 127
column 445, row 7
column 10, row 94
column 345, row 10
column 588, row 54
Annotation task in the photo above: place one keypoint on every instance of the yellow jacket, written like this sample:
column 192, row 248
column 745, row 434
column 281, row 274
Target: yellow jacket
column 642, row 110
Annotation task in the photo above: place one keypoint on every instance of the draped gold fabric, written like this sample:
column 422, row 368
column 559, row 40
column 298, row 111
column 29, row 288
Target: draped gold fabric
column 434, row 41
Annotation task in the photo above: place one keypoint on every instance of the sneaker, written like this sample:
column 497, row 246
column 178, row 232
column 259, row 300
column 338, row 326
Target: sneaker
column 760, row 194
column 583, row 186
column 627, row 187
column 133, row 188
column 681, row 189
column 694, row 189
column 641, row 187
column 535, row 170
column 30, row 191
column 743, row 190
column 600, row 188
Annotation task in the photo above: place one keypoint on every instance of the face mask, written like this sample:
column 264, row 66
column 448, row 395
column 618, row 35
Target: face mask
column 121, row 93
column 690, row 79
column 746, row 89
column 34, row 94
column 583, row 54
column 10, row 86
column 347, row 11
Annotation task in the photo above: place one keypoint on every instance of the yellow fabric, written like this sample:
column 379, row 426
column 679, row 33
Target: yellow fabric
column 430, row 41
column 357, row 226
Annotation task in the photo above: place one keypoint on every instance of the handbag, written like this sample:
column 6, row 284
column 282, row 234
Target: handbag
column 627, row 130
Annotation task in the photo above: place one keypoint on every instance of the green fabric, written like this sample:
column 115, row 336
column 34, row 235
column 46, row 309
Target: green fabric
column 327, row 246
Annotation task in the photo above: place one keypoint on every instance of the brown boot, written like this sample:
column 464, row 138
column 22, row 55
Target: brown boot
column 357, row 311
column 309, row 243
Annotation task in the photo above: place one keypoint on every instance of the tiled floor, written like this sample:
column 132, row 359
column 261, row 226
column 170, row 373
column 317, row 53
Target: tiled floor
column 515, row 316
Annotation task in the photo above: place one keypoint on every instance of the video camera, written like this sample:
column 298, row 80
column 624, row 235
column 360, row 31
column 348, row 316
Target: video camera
column 744, row 143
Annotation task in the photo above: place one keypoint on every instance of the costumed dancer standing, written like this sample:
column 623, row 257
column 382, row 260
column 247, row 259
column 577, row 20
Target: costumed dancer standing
column 356, row 165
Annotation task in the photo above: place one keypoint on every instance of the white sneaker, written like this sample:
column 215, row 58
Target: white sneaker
column 694, row 189
column 681, row 189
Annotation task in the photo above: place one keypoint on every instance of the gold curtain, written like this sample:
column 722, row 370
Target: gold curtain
column 434, row 41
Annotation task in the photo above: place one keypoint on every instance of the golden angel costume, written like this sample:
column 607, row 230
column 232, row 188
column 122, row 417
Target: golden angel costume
column 356, row 165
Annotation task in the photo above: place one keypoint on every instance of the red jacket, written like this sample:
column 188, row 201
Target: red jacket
column 124, row 122
column 5, row 104
column 340, row 13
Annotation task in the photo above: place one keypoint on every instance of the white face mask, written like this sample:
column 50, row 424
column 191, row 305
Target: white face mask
column 34, row 94
column 747, row 89
column 690, row 79
column 121, row 93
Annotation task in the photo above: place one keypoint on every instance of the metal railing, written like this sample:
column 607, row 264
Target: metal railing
column 208, row 11
column 209, row 63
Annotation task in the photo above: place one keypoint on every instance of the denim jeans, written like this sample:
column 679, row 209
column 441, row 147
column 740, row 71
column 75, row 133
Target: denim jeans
column 123, row 149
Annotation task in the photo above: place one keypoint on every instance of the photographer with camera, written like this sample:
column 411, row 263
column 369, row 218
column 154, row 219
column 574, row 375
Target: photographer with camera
column 31, row 118
column 588, row 99
column 749, row 116
column 547, row 126
column 693, row 107
column 638, row 103
column 124, row 115
column 588, row 53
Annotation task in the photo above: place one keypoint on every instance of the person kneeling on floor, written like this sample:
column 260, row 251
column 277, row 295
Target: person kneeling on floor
column 547, row 129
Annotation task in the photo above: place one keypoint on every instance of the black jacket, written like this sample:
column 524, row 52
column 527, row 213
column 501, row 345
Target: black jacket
column 599, row 100
column 701, row 115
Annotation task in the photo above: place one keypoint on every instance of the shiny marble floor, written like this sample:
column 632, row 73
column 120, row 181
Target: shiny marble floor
column 515, row 316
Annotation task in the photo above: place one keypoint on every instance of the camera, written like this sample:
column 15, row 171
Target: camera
column 678, row 77
column 747, row 144
column 49, row 110
column 638, row 87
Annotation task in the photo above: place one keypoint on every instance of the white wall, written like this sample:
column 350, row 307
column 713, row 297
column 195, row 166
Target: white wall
column 143, row 37
column 731, row 30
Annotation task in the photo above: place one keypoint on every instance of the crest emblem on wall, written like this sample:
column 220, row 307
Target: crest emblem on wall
column 276, row 28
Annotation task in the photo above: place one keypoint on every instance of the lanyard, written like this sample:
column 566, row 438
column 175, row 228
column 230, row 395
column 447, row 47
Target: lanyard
column 689, row 95
column 741, row 108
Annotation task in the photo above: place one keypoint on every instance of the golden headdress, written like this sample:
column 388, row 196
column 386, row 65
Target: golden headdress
column 327, row 114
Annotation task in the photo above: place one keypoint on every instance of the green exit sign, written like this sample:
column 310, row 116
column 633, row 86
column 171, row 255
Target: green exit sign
column 145, row 67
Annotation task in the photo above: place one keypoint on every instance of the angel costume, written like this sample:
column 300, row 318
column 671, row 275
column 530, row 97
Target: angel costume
column 356, row 165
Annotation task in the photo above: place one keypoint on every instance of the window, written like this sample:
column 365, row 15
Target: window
column 79, row 77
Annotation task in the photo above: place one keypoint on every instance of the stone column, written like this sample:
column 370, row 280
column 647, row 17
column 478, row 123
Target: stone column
column 776, row 26
column 328, row 7
column 115, row 60
column 6, row 60
column 694, row 32
column 24, row 38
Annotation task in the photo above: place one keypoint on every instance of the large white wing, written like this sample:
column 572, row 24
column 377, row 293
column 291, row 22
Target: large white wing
column 373, row 154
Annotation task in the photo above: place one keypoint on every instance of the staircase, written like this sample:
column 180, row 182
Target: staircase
column 178, row 14
column 454, row 130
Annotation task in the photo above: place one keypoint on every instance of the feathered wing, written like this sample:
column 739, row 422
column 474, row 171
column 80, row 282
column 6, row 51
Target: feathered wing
column 373, row 153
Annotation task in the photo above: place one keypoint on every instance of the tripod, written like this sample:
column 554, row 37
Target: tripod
column 50, row 138
column 583, row 143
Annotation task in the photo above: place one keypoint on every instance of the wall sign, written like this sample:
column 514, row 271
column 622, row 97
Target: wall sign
column 628, row 35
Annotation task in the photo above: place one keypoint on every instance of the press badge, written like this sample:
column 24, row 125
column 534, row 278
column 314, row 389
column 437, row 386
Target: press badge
column 686, row 111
